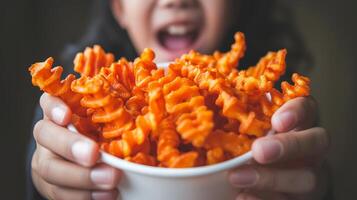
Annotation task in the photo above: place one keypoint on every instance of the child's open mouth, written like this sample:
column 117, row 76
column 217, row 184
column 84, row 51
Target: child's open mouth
column 178, row 37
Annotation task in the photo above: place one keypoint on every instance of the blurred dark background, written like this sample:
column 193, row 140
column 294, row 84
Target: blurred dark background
column 32, row 30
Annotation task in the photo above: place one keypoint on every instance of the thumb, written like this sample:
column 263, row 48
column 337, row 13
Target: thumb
column 298, row 114
column 55, row 109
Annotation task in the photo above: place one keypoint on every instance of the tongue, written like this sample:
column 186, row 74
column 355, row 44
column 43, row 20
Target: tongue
column 176, row 42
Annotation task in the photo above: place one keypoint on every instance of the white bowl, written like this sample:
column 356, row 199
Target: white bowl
column 157, row 183
column 142, row 182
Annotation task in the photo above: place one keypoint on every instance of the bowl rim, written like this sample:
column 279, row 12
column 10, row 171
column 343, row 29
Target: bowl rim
column 174, row 172
column 128, row 166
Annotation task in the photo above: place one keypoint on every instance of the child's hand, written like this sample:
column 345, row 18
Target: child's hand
column 64, row 164
column 290, row 164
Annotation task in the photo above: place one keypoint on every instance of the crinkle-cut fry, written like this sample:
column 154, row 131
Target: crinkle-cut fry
column 167, row 148
column 195, row 126
column 270, row 105
column 125, row 73
column 233, row 143
column 156, row 109
column 146, row 122
column 260, row 79
column 185, row 160
column 143, row 67
column 231, row 125
column 49, row 80
column 133, row 139
column 202, row 60
column 232, row 106
column 92, row 60
column 105, row 108
column 183, row 100
column 85, row 126
column 142, row 158
column 178, row 93
column 276, row 67
column 259, row 69
column 124, row 147
column 156, row 101
column 228, row 61
column 250, row 85
column 136, row 102
column 300, row 88
column 121, row 79
column 215, row 155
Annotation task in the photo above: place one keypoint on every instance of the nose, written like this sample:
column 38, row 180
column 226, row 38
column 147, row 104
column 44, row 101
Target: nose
column 177, row 3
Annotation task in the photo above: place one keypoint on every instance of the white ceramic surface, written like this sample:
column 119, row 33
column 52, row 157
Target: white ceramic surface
column 142, row 182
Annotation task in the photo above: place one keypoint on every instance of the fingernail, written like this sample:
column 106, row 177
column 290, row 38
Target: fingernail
column 286, row 121
column 99, row 195
column 81, row 152
column 244, row 177
column 271, row 149
column 58, row 114
column 102, row 177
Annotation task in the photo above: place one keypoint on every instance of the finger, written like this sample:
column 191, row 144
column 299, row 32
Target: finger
column 299, row 114
column 291, row 145
column 54, row 192
column 247, row 196
column 262, row 196
column 296, row 181
column 63, row 173
column 57, row 192
column 55, row 109
column 60, row 140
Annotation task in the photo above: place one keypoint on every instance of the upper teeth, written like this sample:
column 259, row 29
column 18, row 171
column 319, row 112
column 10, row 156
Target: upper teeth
column 177, row 29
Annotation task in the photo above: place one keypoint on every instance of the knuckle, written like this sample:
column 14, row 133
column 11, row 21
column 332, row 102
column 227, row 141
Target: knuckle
column 113, row 178
column 55, row 193
column 43, row 99
column 310, row 181
column 313, row 103
column 325, row 138
column 67, row 149
column 38, row 128
column 34, row 162
column 305, row 104
column 272, row 181
column 292, row 146
column 44, row 169
column 267, row 179
column 85, row 176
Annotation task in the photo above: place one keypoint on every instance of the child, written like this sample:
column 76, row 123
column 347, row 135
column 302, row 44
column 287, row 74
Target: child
column 288, row 166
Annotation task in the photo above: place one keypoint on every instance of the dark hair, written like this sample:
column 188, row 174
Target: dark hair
column 268, row 26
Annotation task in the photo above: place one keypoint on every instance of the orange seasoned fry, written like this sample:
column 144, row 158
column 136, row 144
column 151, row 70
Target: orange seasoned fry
column 215, row 155
column 193, row 119
column 228, row 61
column 300, row 88
column 167, row 151
column 49, row 80
column 142, row 158
column 103, row 106
column 143, row 66
column 92, row 60
column 233, row 143
column 203, row 110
